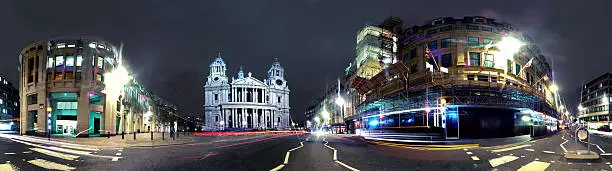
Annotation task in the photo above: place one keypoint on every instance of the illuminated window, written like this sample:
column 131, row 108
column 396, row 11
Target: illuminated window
column 486, row 41
column 447, row 28
column 61, row 45
column 1, row 101
column 70, row 61
column 92, row 45
column 49, row 62
column 446, row 42
column 71, row 46
column 518, row 69
column 489, row 60
column 474, row 59
column 471, row 77
column 483, row 78
column 59, row 61
column 79, row 60
column 473, row 41
column 100, row 62
column 487, row 29
column 509, row 69
column 433, row 45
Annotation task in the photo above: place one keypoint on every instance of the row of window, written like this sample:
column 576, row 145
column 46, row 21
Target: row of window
column 467, row 26
column 92, row 45
column 2, row 102
column 229, row 97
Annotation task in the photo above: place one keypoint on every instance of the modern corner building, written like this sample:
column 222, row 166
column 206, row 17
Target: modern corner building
column 68, row 86
column 9, row 106
column 246, row 102
column 470, row 77
column 595, row 101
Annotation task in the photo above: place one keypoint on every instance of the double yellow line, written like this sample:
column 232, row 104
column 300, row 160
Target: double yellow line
column 428, row 146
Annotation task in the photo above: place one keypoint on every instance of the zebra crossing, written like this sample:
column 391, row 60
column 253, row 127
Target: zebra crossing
column 39, row 154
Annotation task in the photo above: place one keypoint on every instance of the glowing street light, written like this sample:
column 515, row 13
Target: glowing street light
column 326, row 115
column 340, row 101
column 554, row 88
column 509, row 45
column 580, row 108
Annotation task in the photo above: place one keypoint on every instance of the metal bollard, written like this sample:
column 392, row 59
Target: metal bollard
column 108, row 134
column 177, row 134
column 49, row 135
column 163, row 135
column 151, row 135
column 123, row 135
column 173, row 135
column 134, row 135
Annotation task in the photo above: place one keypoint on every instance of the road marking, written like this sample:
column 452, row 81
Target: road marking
column 549, row 152
column 610, row 166
column 120, row 150
column 62, row 149
column 552, row 161
column 347, row 166
column 287, row 158
column 9, row 153
column 116, row 159
column 50, row 165
column 7, row 167
column 80, row 148
column 277, row 168
column 569, row 163
column 535, row 166
column 27, row 152
column 470, row 153
column 530, row 149
column 465, row 149
column 475, row 158
column 565, row 150
column 606, row 154
column 55, row 154
column 501, row 160
column 522, row 156
column 510, row 148
column 118, row 154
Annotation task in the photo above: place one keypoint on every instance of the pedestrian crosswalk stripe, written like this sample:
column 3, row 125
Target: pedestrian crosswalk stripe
column 116, row 159
column 7, row 167
column 80, row 148
column 50, row 165
column 530, row 149
column 470, row 153
column 475, row 158
column 55, row 154
column 535, row 166
column 549, row 152
column 510, row 148
column 501, row 160
column 53, row 148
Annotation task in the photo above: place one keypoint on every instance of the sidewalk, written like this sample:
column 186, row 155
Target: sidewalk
column 142, row 140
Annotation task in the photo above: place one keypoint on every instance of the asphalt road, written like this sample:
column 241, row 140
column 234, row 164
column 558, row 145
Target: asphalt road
column 299, row 152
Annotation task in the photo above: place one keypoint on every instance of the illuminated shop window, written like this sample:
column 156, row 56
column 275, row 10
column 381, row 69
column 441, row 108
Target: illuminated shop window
column 79, row 60
column 59, row 61
column 489, row 60
column 100, row 62
column 474, row 59
column 70, row 61
column 50, row 62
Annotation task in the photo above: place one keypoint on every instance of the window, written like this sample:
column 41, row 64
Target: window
column 446, row 43
column 447, row 60
column 216, row 118
column 480, row 20
column 489, row 60
column 474, row 59
column 470, row 77
column 486, row 41
column 487, row 29
column 100, row 62
column 432, row 31
column 483, row 78
column 279, row 99
column 49, row 62
column 61, row 45
column 32, row 99
column 413, row 53
column 216, row 97
column 267, row 98
column 447, row 28
column 433, row 45
column 59, row 61
column 70, row 61
column 472, row 27
column 493, row 79
column 79, row 61
column 473, row 41
column 71, row 46
column 518, row 69
column 1, row 101
column 509, row 69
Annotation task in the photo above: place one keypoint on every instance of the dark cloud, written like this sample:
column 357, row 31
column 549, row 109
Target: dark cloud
column 170, row 45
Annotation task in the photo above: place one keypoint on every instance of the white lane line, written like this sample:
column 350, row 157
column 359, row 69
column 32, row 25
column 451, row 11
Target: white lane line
column 606, row 154
column 50, row 165
column 469, row 153
column 26, row 152
column 549, row 152
column 118, row 154
column 115, row 159
column 530, row 149
column 347, row 166
column 8, row 167
column 475, row 158
column 510, row 148
column 535, row 166
column 55, row 154
column 79, row 148
column 62, row 149
column 610, row 166
column 565, row 150
column 9, row 153
column 501, row 160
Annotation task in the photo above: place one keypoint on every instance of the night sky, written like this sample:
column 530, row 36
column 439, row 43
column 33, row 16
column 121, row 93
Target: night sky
column 170, row 45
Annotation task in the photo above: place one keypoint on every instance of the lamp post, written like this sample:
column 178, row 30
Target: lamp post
column 49, row 112
column 340, row 102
